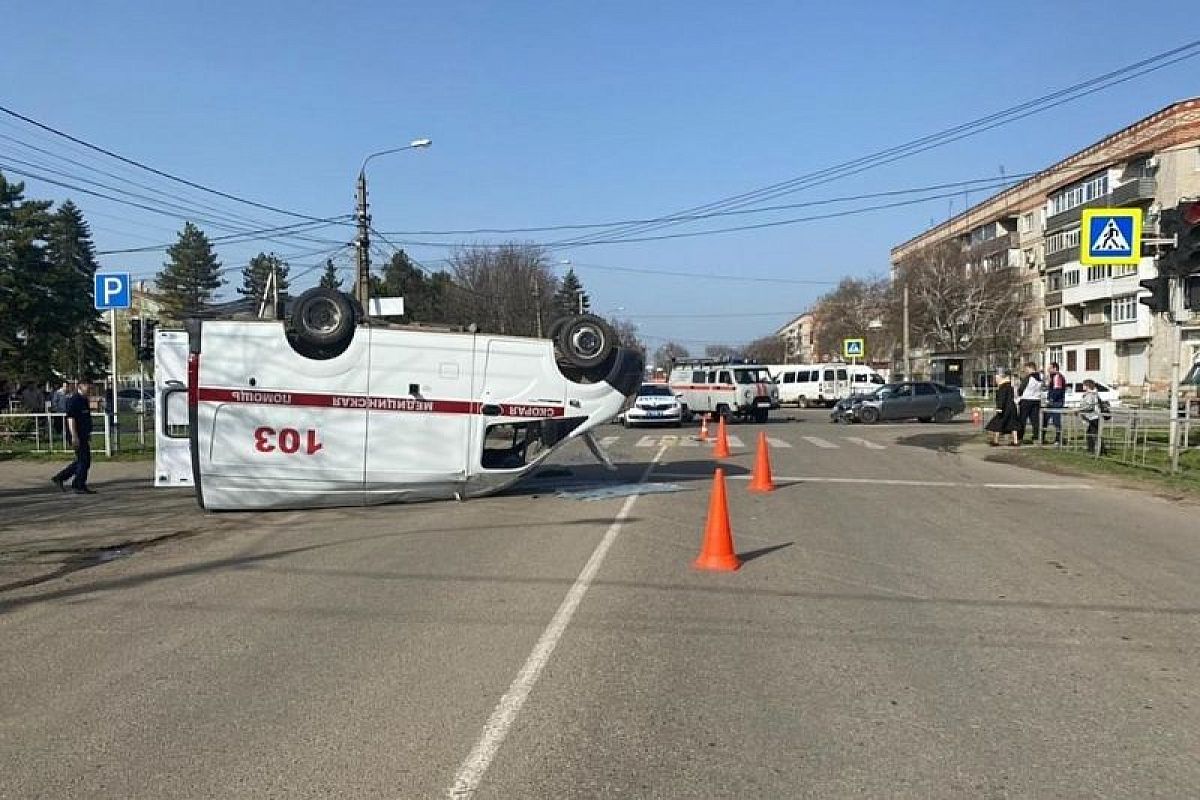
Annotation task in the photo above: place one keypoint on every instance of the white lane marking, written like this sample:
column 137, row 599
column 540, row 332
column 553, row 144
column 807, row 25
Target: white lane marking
column 735, row 441
column 865, row 443
column 771, row 440
column 899, row 482
column 688, row 441
column 608, row 441
column 819, row 442
column 480, row 758
column 646, row 441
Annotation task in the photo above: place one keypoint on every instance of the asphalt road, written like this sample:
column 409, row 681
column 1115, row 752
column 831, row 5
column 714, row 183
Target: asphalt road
column 911, row 621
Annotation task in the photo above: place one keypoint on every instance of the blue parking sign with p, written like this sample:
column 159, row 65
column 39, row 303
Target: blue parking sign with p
column 113, row 290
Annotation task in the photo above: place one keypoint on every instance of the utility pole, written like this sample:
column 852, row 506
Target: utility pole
column 362, row 244
column 537, row 304
column 907, row 352
column 1176, row 296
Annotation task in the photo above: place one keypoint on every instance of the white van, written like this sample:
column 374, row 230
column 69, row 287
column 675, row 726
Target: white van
column 322, row 411
column 823, row 384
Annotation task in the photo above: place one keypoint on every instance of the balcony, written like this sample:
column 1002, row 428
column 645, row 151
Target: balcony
column 1062, row 257
column 992, row 246
column 1052, row 299
column 1134, row 191
column 1078, row 333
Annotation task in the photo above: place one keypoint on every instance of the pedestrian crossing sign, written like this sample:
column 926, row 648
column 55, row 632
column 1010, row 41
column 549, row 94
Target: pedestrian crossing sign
column 1111, row 236
column 853, row 348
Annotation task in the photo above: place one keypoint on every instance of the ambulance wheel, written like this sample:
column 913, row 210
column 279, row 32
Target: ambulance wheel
column 586, row 341
column 761, row 415
column 322, row 320
column 555, row 327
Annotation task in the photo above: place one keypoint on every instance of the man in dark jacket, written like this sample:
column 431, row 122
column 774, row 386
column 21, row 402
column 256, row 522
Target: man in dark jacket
column 79, row 425
column 1056, row 399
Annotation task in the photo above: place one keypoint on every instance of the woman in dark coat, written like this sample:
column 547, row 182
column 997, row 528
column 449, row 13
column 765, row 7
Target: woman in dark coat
column 1007, row 420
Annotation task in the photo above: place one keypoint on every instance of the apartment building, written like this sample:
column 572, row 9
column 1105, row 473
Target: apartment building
column 797, row 336
column 1087, row 318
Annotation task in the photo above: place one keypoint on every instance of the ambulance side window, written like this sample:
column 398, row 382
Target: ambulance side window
column 698, row 377
column 726, row 377
column 842, row 375
column 828, row 374
column 789, row 377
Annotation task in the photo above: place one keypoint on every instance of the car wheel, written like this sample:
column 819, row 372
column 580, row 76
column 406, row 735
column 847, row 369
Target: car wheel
column 801, row 402
column 869, row 415
column 924, row 419
column 586, row 341
column 321, row 322
column 943, row 415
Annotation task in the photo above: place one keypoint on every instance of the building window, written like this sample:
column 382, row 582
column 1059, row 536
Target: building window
column 1099, row 272
column 1077, row 194
column 1027, row 291
column 1071, row 278
column 1062, row 240
column 1124, row 270
column 1026, row 327
column 1055, row 318
column 1072, row 362
column 1091, row 359
column 995, row 261
column 1124, row 309
column 1054, row 282
column 1056, row 355
column 1026, row 223
column 984, row 233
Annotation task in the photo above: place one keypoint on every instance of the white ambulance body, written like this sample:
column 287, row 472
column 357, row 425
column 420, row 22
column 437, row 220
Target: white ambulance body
column 724, row 388
column 397, row 414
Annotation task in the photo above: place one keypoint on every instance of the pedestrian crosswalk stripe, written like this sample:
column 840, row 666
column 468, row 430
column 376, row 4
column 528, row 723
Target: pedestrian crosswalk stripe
column 736, row 442
column 609, row 441
column 771, row 440
column 865, row 443
column 646, row 441
column 819, row 442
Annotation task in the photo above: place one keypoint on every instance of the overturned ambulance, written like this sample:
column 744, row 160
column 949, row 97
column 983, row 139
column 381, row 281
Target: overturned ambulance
column 326, row 409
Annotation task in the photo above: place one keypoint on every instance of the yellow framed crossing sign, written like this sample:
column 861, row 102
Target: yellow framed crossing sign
column 853, row 348
column 1110, row 236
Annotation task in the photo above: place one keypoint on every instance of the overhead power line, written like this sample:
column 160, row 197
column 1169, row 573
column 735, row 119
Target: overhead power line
column 153, row 170
column 922, row 144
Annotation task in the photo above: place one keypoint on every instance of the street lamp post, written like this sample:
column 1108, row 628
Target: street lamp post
column 362, row 243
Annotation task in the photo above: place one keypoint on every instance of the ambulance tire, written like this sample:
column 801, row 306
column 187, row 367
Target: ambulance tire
column 556, row 326
column 321, row 322
column 586, row 341
column 761, row 415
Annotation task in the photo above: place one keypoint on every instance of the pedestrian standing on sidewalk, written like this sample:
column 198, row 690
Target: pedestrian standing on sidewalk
column 79, row 426
column 1056, row 399
column 1005, row 421
column 1029, row 403
column 58, row 405
column 1090, row 411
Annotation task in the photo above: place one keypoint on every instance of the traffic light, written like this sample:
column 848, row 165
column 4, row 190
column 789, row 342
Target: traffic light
column 145, row 350
column 135, row 334
column 1182, row 222
column 1159, row 300
column 585, row 303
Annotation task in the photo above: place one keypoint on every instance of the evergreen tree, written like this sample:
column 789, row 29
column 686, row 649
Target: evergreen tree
column 48, row 326
column 72, row 258
column 329, row 278
column 566, row 298
column 258, row 271
column 424, row 295
column 188, row 280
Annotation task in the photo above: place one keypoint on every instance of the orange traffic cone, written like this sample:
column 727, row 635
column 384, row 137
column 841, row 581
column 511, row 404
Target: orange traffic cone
column 704, row 428
column 761, row 480
column 717, row 552
column 721, row 450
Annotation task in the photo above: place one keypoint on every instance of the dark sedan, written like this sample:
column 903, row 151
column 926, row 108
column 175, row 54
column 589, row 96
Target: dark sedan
column 926, row 401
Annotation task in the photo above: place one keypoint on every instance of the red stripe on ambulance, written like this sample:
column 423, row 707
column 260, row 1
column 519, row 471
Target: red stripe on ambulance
column 266, row 397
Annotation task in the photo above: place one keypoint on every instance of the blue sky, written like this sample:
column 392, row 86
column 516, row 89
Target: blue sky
column 545, row 114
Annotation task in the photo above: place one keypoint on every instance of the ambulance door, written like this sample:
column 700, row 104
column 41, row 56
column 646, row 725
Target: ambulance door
column 172, row 440
column 521, row 395
column 419, row 421
column 278, row 428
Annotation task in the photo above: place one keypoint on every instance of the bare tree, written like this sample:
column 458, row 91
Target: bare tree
column 767, row 350
column 856, row 309
column 627, row 335
column 720, row 351
column 502, row 289
column 668, row 353
column 959, row 306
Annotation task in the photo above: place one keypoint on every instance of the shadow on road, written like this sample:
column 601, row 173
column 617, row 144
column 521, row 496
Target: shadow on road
column 750, row 555
column 940, row 441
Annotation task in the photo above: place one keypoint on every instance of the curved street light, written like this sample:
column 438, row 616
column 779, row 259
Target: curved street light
column 362, row 243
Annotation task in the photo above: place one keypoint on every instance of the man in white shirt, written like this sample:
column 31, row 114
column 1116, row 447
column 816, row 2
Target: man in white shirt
column 1029, row 402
